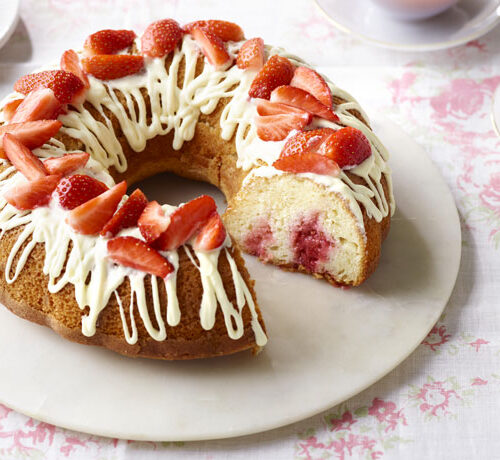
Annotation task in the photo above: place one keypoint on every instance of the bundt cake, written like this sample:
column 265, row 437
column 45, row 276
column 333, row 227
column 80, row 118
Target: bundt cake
column 306, row 180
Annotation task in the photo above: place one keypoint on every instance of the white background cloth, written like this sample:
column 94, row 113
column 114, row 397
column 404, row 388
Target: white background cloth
column 443, row 401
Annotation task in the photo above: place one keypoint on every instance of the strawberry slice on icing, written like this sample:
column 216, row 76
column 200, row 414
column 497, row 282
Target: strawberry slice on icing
column 108, row 41
column 312, row 82
column 277, row 71
column 212, row 47
column 135, row 253
column 89, row 218
column 10, row 108
column 40, row 104
column 185, row 222
column 66, row 164
column 347, row 147
column 152, row 222
column 211, row 236
column 71, row 63
column 251, row 54
column 31, row 134
column 301, row 99
column 112, row 66
column 265, row 107
column 22, row 158
column 305, row 141
column 77, row 189
column 161, row 37
column 225, row 30
column 127, row 215
column 277, row 127
column 30, row 195
column 308, row 163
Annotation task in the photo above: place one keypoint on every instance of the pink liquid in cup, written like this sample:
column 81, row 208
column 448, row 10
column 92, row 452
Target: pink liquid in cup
column 414, row 9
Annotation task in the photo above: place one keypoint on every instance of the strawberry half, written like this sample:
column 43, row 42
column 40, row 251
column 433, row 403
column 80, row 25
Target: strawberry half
column 75, row 190
column 22, row 158
column 10, row 108
column 152, row 222
column 251, row 55
column 108, row 41
column 64, row 84
column 31, row 134
column 225, row 30
column 305, row 141
column 301, row 99
column 185, row 222
column 66, row 164
column 212, row 47
column 89, row 218
column 135, row 253
column 308, row 163
column 212, row 235
column 347, row 147
column 33, row 194
column 277, row 71
column 161, row 37
column 265, row 107
column 40, row 104
column 71, row 63
column 312, row 82
column 277, row 127
column 112, row 66
column 127, row 215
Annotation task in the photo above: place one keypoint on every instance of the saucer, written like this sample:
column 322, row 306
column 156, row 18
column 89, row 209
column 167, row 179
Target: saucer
column 466, row 21
column 8, row 19
column 495, row 111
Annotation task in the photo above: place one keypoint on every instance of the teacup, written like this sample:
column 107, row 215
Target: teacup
column 414, row 9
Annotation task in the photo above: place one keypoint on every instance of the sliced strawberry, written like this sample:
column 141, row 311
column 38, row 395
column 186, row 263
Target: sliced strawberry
column 308, row 162
column 30, row 195
column 161, row 37
column 305, row 141
column 152, row 222
column 135, row 253
column 127, row 215
column 40, row 104
column 185, row 222
column 66, row 164
column 64, row 84
column 312, row 82
column 212, row 235
column 277, row 127
column 347, row 147
column 10, row 108
column 22, row 158
column 75, row 190
column 31, row 134
column 71, row 63
column 112, row 66
column 225, row 30
column 108, row 41
column 265, row 107
column 251, row 55
column 90, row 217
column 301, row 99
column 212, row 47
column 277, row 71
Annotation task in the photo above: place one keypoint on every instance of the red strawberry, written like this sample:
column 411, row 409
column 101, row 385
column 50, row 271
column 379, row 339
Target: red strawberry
column 277, row 127
column 40, row 104
column 308, row 162
column 31, row 134
column 265, row 107
column 90, row 217
column 112, row 66
column 108, row 41
column 152, row 222
column 297, row 97
column 347, row 147
column 64, row 84
column 225, row 30
column 312, row 82
column 135, row 253
column 277, row 71
column 161, row 37
column 251, row 54
column 211, row 235
column 31, row 195
column 10, row 108
column 185, row 222
column 305, row 141
column 75, row 190
column 212, row 47
column 71, row 63
column 127, row 215
column 66, row 164
column 22, row 158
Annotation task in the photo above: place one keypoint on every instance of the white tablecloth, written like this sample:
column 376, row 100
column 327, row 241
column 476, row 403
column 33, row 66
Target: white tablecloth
column 443, row 401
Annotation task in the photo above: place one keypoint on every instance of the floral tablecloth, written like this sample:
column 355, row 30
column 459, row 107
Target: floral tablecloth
column 443, row 402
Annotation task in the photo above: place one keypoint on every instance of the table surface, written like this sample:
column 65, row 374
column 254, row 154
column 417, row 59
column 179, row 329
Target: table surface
column 442, row 402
